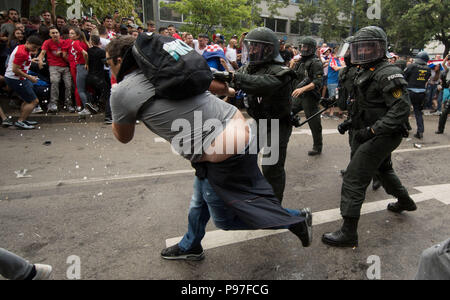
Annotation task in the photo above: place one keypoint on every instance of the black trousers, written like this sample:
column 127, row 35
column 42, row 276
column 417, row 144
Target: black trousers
column 240, row 184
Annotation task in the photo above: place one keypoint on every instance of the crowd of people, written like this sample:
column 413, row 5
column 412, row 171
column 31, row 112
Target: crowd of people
column 54, row 64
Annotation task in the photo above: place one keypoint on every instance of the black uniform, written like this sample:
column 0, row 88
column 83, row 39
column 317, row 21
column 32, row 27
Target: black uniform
column 417, row 75
column 269, row 97
column 311, row 68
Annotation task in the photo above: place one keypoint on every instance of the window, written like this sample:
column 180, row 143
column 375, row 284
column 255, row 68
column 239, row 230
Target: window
column 295, row 27
column 167, row 14
column 281, row 26
column 270, row 23
column 277, row 25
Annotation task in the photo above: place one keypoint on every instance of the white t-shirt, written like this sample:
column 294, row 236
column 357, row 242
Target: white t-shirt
column 231, row 56
column 196, row 47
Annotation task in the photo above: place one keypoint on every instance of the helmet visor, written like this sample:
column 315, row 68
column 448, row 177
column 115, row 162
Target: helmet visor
column 363, row 52
column 344, row 50
column 307, row 49
column 258, row 52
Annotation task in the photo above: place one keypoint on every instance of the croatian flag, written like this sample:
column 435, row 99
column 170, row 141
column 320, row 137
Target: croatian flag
column 433, row 63
column 213, row 51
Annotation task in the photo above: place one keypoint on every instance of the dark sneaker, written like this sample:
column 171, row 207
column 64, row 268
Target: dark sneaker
column 439, row 132
column 108, row 121
column 7, row 123
column 175, row 253
column 92, row 107
column 23, row 125
column 303, row 230
column 31, row 123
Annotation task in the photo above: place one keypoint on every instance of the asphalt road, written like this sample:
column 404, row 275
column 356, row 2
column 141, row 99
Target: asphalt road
column 114, row 206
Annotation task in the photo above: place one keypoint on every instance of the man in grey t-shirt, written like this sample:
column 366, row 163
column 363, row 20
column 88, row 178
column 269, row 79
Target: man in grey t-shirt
column 229, row 186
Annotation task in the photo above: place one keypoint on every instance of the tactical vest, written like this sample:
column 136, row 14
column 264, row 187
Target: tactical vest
column 303, row 70
column 275, row 106
column 418, row 76
column 370, row 105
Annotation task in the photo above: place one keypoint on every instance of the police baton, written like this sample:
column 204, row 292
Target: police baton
column 327, row 103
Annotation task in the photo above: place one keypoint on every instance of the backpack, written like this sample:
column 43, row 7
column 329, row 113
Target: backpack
column 176, row 70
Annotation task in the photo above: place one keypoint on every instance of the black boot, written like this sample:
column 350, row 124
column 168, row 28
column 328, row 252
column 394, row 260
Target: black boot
column 347, row 236
column 404, row 203
column 419, row 135
column 314, row 152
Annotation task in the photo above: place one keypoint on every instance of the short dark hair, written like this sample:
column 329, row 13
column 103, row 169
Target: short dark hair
column 161, row 29
column 53, row 27
column 12, row 9
column 34, row 40
column 61, row 17
column 119, row 46
column 150, row 22
column 107, row 17
column 45, row 11
column 102, row 30
column 35, row 20
column 95, row 39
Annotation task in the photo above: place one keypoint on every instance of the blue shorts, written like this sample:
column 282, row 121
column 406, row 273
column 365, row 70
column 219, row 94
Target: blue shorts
column 24, row 88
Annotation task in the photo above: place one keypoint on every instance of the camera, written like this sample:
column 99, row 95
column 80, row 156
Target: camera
column 344, row 126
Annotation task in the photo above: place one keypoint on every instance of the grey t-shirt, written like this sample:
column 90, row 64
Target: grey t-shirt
column 190, row 125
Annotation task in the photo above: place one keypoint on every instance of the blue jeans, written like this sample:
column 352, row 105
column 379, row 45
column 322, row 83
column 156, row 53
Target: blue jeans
column 81, row 83
column 205, row 204
column 431, row 90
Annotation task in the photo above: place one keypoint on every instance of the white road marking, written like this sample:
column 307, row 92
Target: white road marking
column 160, row 140
column 217, row 238
column 308, row 131
column 421, row 149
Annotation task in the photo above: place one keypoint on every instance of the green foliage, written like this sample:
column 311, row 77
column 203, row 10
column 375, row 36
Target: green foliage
column 208, row 16
column 99, row 8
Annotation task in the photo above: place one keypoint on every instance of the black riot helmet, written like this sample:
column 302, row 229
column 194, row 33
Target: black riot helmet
column 368, row 45
column 307, row 46
column 422, row 57
column 262, row 46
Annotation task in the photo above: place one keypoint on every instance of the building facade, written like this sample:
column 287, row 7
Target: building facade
column 284, row 24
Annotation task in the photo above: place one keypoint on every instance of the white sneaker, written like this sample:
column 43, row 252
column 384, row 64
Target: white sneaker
column 43, row 272
column 79, row 108
column 52, row 108
column 37, row 110
column 84, row 112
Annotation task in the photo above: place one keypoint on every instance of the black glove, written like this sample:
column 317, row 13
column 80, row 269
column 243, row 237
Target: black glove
column 223, row 76
column 363, row 135
column 327, row 102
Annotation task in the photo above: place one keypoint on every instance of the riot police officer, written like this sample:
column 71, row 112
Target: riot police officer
column 417, row 75
column 306, row 95
column 346, row 98
column 267, row 83
column 381, row 114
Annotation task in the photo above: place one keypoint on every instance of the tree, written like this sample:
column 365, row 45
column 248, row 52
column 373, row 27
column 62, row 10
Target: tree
column 206, row 16
column 428, row 20
column 99, row 8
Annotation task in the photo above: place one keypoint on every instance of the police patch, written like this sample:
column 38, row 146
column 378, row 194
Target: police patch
column 397, row 93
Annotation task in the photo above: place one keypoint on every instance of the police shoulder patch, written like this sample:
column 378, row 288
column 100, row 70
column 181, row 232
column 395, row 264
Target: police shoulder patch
column 397, row 93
